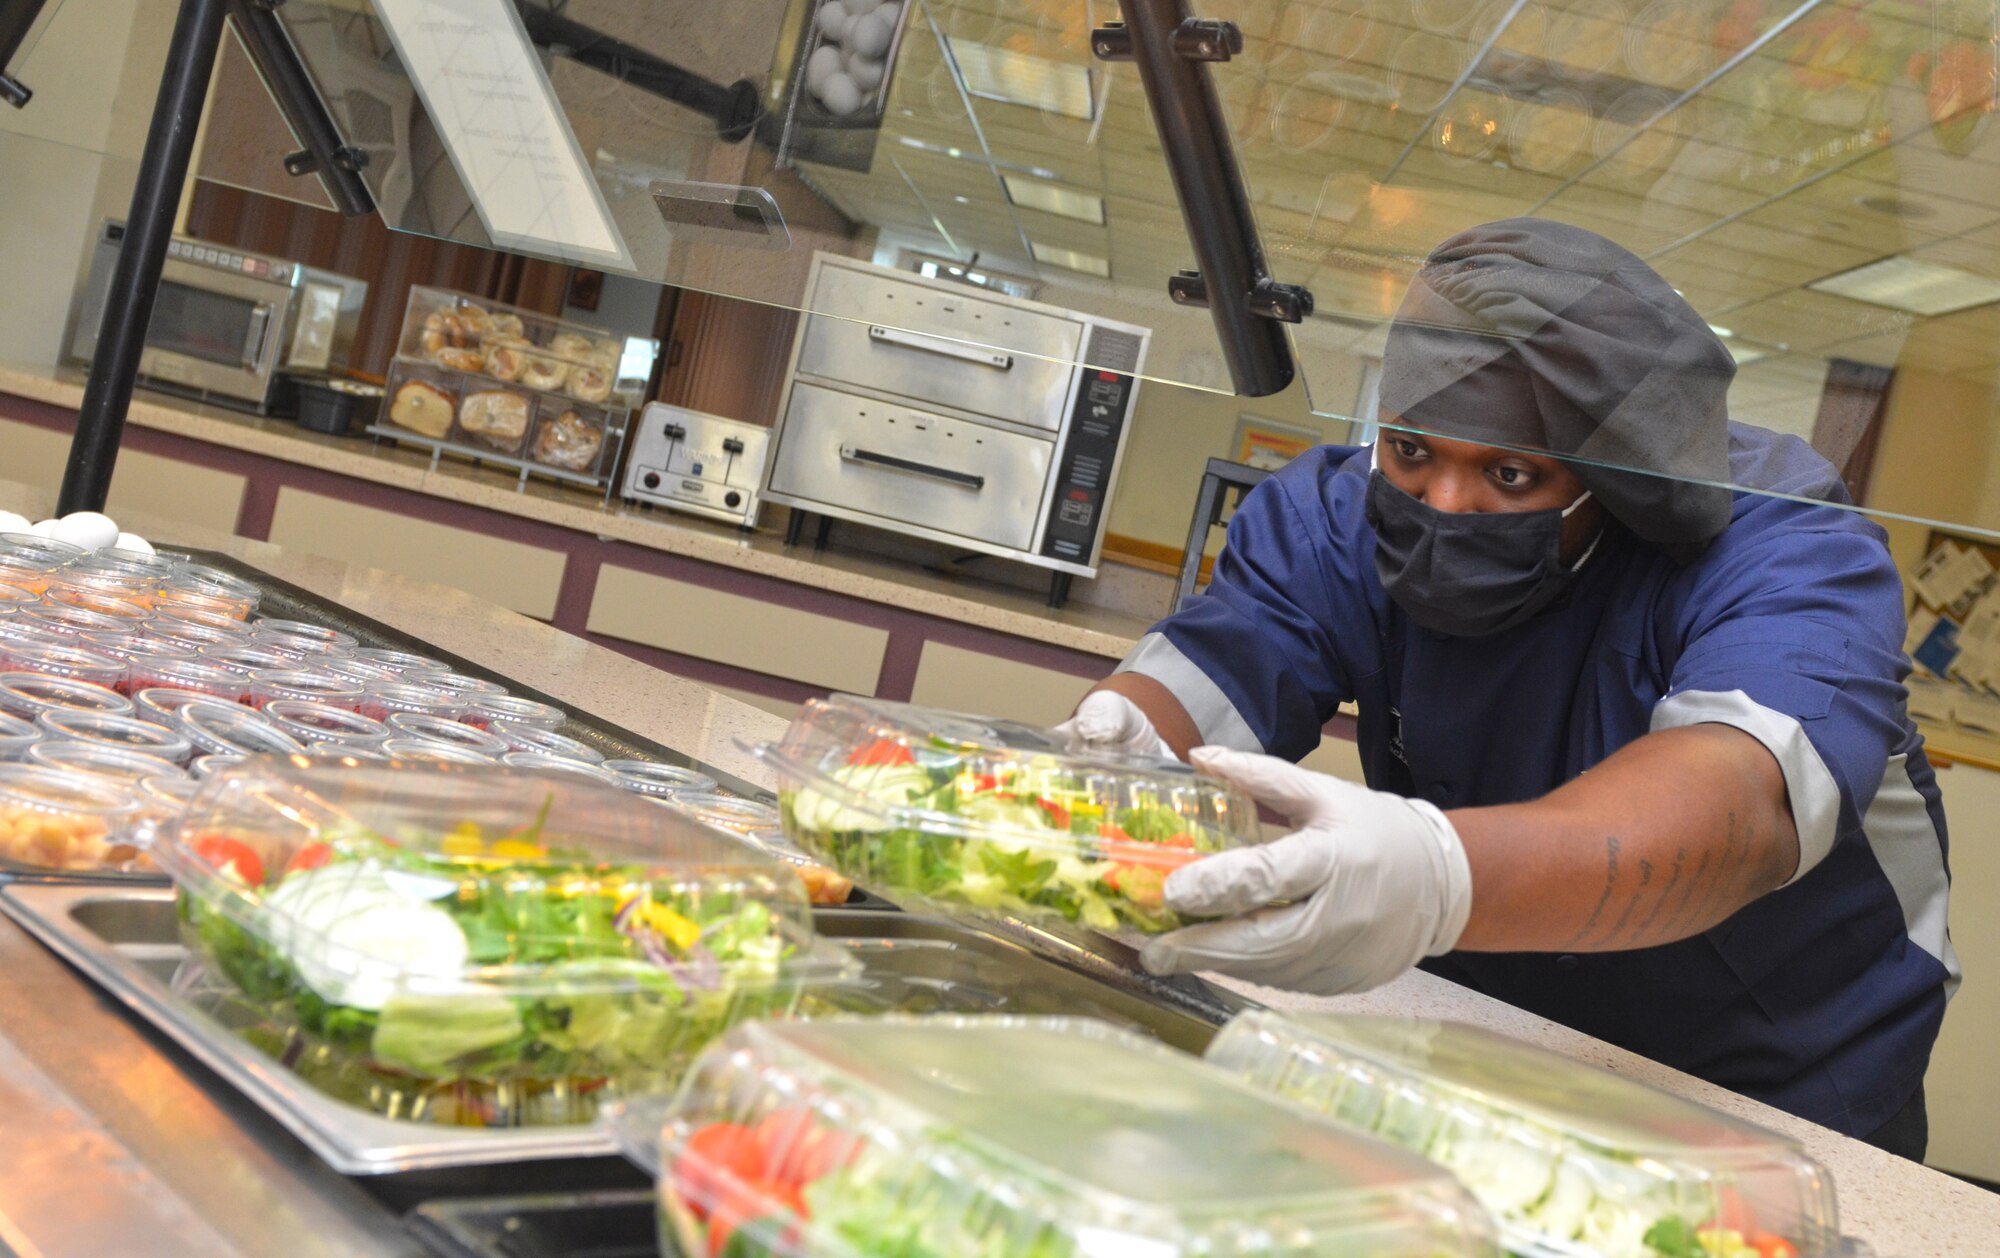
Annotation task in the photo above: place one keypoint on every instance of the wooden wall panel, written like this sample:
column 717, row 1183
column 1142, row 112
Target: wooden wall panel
column 727, row 357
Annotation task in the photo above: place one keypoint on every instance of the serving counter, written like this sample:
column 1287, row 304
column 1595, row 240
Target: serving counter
column 113, row 1141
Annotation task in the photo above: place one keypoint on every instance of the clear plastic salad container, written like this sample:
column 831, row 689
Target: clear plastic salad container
column 970, row 1137
column 99, row 760
column 56, row 821
column 548, row 743
column 311, row 722
column 16, row 736
column 489, row 710
column 541, row 762
column 480, row 946
column 384, row 698
column 28, row 695
column 229, row 729
column 110, row 730
column 991, row 816
column 651, row 778
column 267, row 684
column 1570, row 1159
column 62, row 659
column 758, row 825
column 437, row 729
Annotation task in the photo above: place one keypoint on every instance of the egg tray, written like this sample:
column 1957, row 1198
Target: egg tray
column 801, row 128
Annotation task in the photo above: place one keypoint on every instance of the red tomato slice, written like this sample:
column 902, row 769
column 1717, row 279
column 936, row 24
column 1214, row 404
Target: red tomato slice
column 1769, row 1246
column 712, row 1159
column 883, row 751
column 745, row 1200
column 311, row 856
column 1167, row 856
column 1058, row 815
column 232, row 858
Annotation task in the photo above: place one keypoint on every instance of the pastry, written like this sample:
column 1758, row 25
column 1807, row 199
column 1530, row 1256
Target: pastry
column 509, row 325
column 589, row 383
column 538, row 372
column 504, row 360
column 494, row 417
column 422, row 408
column 459, row 359
column 611, row 350
column 568, row 441
column 571, row 346
column 474, row 324
column 434, row 336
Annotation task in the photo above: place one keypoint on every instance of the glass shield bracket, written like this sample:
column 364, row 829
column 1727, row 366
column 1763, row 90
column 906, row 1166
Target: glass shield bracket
column 1172, row 49
column 323, row 152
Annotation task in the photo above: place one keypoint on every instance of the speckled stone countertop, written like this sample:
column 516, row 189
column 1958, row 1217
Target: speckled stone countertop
column 1903, row 1210
column 987, row 605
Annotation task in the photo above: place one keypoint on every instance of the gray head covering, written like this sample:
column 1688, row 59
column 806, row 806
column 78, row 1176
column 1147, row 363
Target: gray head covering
column 1548, row 337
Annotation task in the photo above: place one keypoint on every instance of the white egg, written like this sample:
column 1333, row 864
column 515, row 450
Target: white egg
column 44, row 528
column 839, row 94
column 88, row 529
column 825, row 60
column 832, row 20
column 11, row 523
column 869, row 36
column 857, row 8
column 886, row 14
column 865, row 71
column 134, row 543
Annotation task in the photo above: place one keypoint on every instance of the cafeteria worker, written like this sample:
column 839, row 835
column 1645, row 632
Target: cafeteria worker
column 1637, row 751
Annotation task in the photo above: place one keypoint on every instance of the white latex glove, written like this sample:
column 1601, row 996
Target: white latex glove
column 1108, row 721
column 1368, row 885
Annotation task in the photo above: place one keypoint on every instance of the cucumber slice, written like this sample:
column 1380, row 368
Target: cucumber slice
column 1507, row 1178
column 1561, row 1214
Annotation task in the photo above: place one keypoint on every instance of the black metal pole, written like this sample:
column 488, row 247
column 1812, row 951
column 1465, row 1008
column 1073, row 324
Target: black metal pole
column 337, row 165
column 17, row 18
column 135, row 280
column 734, row 107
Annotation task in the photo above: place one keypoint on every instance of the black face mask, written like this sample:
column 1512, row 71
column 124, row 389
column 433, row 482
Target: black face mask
column 1468, row 574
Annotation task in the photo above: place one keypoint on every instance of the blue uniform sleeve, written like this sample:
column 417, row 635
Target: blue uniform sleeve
column 1256, row 659
column 1793, row 632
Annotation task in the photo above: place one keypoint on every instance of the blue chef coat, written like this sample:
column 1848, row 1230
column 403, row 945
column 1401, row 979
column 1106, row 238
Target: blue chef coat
column 1822, row 998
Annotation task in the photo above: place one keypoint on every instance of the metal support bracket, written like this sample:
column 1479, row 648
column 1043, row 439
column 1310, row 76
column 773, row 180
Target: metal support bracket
column 17, row 18
column 1173, row 49
column 325, row 154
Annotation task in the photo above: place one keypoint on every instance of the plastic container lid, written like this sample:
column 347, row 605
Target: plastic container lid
column 173, row 789
column 126, row 563
column 425, row 751
column 651, row 778
column 223, row 729
column 1063, row 1137
column 193, row 637
column 209, row 590
column 544, row 763
column 630, row 937
column 490, row 709
column 62, row 659
column 246, row 658
column 267, row 684
column 978, row 814
column 135, row 591
column 123, row 764
column 400, row 662
column 30, row 694
column 548, row 742
column 300, row 636
column 107, row 730
column 175, row 617
column 346, row 753
column 200, row 676
column 33, row 548
column 53, row 820
column 727, row 812
column 206, row 767
column 72, row 621
column 354, row 670
column 311, row 722
column 396, row 696
column 470, row 689
column 213, row 581
column 13, row 597
column 130, row 646
column 1570, row 1158
column 162, row 704
column 86, row 597
column 437, row 729
column 16, row 736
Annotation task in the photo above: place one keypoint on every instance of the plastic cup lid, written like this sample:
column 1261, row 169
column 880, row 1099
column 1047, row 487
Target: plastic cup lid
column 30, row 694
column 60, row 792
column 127, row 563
column 109, row 730
column 247, row 658
column 399, row 696
column 230, row 728
column 399, row 661
column 426, row 751
column 35, row 548
column 311, row 722
column 471, row 688
column 126, row 764
column 162, row 704
column 174, row 790
column 740, row 816
column 304, row 683
column 512, row 709
column 207, row 767
column 63, row 659
column 13, row 598
column 541, row 762
column 69, row 619
column 207, row 580
column 351, row 753
column 651, row 778
column 354, row 670
column 181, row 615
column 438, row 729
column 548, row 743
column 302, row 631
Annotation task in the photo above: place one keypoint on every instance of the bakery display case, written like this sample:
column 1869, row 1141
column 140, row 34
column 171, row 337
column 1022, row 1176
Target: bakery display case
column 538, row 395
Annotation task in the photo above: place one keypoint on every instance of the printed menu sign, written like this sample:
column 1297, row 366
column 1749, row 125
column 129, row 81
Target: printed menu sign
column 483, row 86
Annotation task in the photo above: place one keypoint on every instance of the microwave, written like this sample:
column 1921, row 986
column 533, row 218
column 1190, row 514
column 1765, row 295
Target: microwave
column 226, row 322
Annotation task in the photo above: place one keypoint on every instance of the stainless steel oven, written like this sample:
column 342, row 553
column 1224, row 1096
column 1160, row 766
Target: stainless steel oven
column 972, row 418
column 225, row 322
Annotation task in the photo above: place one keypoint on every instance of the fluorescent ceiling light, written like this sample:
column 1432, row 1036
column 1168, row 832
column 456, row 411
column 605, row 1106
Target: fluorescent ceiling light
column 1071, row 259
column 1745, row 354
column 1921, row 288
column 1051, row 199
column 1017, row 78
column 1722, row 332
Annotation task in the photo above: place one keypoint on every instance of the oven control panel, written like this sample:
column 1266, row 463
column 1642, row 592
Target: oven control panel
column 1083, row 468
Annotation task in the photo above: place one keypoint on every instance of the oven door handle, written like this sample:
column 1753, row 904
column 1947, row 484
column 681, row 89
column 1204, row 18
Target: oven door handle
column 941, row 346
column 260, row 331
column 855, row 454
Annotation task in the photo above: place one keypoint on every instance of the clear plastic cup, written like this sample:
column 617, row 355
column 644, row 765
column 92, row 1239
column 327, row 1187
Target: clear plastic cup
column 168, row 794
column 356, row 670
column 28, row 695
column 62, row 659
column 131, row 646
column 108, row 730
column 648, row 777
column 202, row 577
column 206, row 767
column 192, row 637
column 162, row 705
column 490, row 710
column 727, row 812
column 269, row 684
column 304, row 638
column 437, row 729
column 13, row 598
column 314, row 723
column 402, row 663
column 548, row 743
column 541, row 762
column 149, row 672
column 117, row 608
column 16, row 736
column 388, row 697
column 109, row 587
column 73, row 621
column 126, row 563
column 424, row 751
column 472, row 689
column 247, row 658
column 227, row 729
column 45, row 552
column 98, row 760
column 55, row 820
column 209, row 590
column 169, row 614
column 346, row 753
column 24, row 575
column 20, row 629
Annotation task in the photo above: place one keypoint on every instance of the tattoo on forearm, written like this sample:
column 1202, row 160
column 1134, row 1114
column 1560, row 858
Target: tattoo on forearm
column 1617, row 930
column 1699, row 898
column 1666, row 892
column 1610, row 885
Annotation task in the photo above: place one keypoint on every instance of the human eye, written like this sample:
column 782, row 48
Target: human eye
column 1405, row 449
column 1514, row 477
